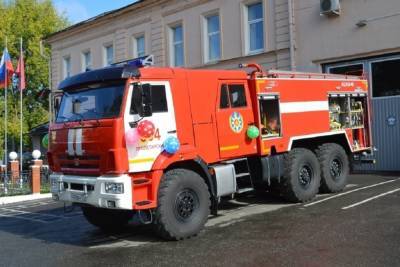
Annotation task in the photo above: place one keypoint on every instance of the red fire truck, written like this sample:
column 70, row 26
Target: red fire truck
column 167, row 144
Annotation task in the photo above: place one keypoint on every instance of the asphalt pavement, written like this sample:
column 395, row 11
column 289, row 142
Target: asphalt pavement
column 358, row 227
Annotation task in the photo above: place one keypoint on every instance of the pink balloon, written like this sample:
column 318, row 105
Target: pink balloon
column 131, row 137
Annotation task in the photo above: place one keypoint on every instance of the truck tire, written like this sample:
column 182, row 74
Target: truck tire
column 107, row 219
column 301, row 177
column 335, row 167
column 183, row 205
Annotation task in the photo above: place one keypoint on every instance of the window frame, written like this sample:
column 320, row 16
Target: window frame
column 371, row 76
column 136, row 39
column 207, row 35
column 173, row 44
column 85, row 66
column 131, row 108
column 67, row 68
column 105, row 54
column 270, row 97
column 247, row 24
column 228, row 90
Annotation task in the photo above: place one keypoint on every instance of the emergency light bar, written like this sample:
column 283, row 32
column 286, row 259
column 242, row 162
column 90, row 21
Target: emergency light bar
column 131, row 67
column 141, row 61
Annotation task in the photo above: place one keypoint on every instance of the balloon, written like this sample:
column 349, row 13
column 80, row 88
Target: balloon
column 253, row 132
column 45, row 141
column 146, row 129
column 171, row 145
column 131, row 137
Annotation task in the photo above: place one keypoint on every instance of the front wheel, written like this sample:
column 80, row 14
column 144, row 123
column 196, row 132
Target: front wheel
column 183, row 205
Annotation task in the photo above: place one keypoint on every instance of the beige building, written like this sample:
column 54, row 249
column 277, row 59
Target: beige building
column 354, row 36
column 154, row 26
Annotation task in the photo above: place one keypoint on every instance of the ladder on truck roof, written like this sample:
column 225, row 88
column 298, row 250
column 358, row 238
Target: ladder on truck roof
column 259, row 73
column 310, row 75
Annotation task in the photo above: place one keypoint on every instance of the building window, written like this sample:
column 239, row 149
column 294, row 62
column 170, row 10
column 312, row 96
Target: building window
column 213, row 38
column 108, row 55
column 86, row 61
column 67, row 67
column 177, row 46
column 139, row 46
column 385, row 79
column 255, row 28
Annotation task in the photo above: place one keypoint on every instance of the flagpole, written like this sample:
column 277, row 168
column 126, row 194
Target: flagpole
column 5, row 116
column 20, row 95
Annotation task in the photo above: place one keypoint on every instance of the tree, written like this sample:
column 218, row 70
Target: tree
column 32, row 20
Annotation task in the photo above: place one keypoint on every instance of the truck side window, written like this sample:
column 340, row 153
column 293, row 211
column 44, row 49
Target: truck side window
column 232, row 95
column 158, row 99
column 224, row 100
column 237, row 95
column 270, row 116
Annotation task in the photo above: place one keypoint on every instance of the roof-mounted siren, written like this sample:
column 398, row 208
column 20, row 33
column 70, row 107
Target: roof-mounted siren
column 330, row 7
column 132, row 66
column 257, row 69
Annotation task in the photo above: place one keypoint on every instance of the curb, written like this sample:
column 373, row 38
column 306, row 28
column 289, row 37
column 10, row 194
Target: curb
column 16, row 199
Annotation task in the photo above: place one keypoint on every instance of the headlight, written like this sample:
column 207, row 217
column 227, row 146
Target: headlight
column 114, row 188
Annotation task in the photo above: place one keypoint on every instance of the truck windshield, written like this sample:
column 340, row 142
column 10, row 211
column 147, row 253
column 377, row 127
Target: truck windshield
column 94, row 102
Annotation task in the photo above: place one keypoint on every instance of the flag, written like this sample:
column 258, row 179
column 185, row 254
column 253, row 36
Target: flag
column 5, row 66
column 21, row 72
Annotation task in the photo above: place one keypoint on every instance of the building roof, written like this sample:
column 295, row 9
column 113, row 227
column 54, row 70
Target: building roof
column 93, row 20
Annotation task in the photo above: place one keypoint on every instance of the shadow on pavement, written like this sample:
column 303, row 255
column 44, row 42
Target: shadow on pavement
column 52, row 225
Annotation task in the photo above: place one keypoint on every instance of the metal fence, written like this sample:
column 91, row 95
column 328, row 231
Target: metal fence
column 12, row 184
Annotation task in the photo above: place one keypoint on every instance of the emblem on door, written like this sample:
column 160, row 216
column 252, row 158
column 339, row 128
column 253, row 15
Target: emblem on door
column 236, row 122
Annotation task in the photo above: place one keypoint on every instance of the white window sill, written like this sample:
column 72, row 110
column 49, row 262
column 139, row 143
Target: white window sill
column 255, row 52
column 212, row 62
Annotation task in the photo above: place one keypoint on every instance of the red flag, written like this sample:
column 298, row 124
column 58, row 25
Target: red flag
column 21, row 72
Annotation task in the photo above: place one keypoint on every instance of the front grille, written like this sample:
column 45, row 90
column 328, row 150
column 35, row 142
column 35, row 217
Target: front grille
column 85, row 157
column 79, row 164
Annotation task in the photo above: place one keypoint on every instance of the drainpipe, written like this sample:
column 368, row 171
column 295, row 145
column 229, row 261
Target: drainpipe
column 292, row 41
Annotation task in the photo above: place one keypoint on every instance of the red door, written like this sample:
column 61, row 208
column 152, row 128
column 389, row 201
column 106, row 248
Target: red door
column 234, row 115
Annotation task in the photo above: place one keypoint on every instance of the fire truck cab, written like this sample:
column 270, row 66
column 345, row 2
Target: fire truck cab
column 169, row 143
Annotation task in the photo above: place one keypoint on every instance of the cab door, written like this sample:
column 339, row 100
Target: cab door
column 143, row 152
column 234, row 115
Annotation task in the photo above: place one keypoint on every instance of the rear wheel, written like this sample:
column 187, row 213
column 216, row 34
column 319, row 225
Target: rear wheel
column 301, row 178
column 183, row 205
column 107, row 219
column 335, row 168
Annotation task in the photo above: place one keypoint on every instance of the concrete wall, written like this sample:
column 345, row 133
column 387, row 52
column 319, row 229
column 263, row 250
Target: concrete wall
column 323, row 39
column 153, row 18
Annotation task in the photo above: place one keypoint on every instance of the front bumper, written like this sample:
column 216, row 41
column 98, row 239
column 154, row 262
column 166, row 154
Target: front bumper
column 91, row 190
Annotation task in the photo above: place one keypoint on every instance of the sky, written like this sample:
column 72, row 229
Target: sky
column 79, row 10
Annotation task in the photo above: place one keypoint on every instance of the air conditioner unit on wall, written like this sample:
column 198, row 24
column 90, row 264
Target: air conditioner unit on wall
column 330, row 7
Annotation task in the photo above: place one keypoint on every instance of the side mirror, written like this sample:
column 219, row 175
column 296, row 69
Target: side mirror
column 56, row 104
column 141, row 100
column 76, row 107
